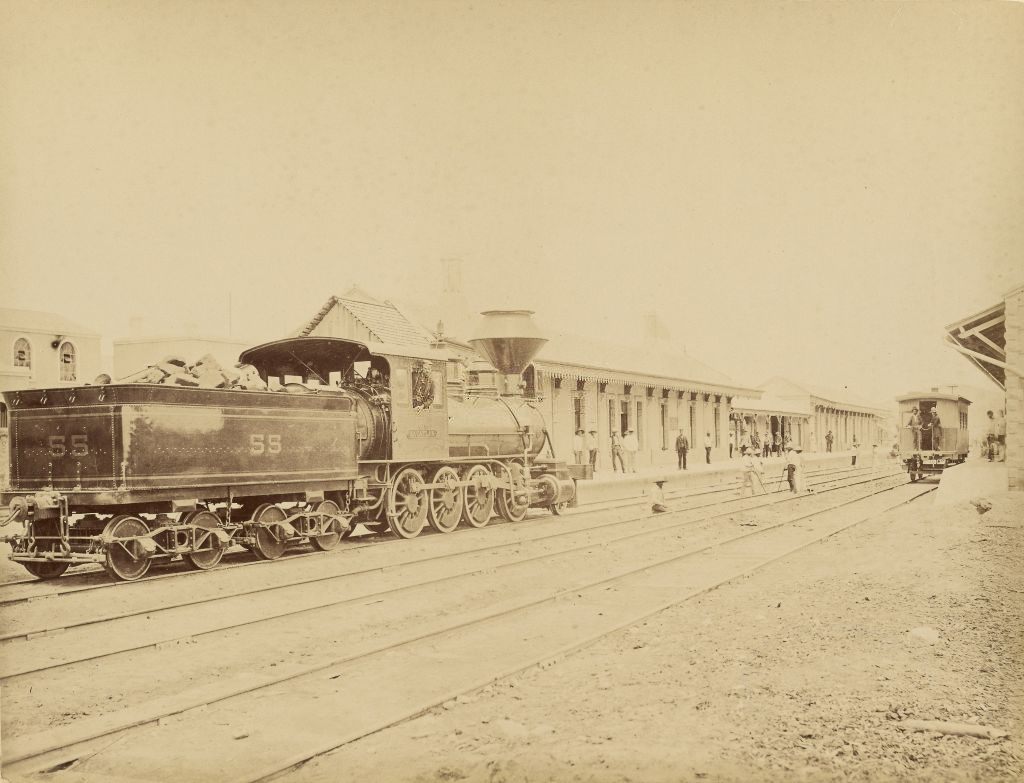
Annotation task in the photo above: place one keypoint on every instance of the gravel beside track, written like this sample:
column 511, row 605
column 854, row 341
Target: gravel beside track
column 532, row 591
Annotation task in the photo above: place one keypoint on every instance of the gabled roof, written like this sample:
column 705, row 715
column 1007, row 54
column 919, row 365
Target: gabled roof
column 37, row 321
column 841, row 398
column 382, row 319
column 771, row 404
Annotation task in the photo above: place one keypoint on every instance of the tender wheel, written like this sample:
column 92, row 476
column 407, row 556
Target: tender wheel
column 445, row 501
column 268, row 544
column 46, row 570
column 328, row 540
column 478, row 503
column 508, row 507
column 558, row 508
column 211, row 550
column 407, row 503
column 126, row 561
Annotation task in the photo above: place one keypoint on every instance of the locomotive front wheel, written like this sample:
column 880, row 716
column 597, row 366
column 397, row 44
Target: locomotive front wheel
column 126, row 561
column 508, row 507
column 479, row 496
column 211, row 553
column 327, row 540
column 268, row 545
column 445, row 501
column 408, row 502
column 46, row 570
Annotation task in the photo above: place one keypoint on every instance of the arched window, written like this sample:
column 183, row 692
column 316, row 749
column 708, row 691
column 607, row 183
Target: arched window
column 22, row 353
column 68, row 362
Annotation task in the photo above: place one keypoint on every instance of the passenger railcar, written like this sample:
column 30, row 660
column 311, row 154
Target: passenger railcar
column 134, row 474
column 933, row 432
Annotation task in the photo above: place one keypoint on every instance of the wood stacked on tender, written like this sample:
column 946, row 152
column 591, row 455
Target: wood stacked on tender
column 207, row 373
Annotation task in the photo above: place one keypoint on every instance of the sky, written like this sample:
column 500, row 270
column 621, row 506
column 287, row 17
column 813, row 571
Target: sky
column 802, row 189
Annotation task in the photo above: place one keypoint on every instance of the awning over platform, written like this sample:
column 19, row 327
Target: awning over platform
column 982, row 339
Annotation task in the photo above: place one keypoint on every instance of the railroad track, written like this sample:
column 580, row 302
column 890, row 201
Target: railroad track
column 68, row 614
column 47, row 750
column 91, row 578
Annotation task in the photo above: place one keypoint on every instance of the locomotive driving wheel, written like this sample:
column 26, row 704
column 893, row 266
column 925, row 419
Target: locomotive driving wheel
column 445, row 501
column 126, row 560
column 478, row 502
column 269, row 543
column 407, row 503
column 509, row 507
column 327, row 540
column 211, row 551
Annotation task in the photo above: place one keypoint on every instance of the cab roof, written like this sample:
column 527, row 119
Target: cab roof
column 324, row 355
column 914, row 396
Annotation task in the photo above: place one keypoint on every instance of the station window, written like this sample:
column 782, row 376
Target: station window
column 577, row 414
column 611, row 417
column 22, row 353
column 640, row 424
column 68, row 362
column 693, row 425
column 718, row 426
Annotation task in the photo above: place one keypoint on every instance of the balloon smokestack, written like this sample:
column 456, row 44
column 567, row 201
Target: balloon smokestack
column 508, row 338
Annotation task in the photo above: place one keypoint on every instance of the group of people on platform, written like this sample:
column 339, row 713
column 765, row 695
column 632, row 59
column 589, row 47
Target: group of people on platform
column 995, row 437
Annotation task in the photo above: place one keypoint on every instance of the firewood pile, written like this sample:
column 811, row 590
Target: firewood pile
column 207, row 373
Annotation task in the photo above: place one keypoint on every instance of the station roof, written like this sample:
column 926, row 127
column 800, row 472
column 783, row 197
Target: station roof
column 931, row 395
column 770, row 404
column 386, row 322
column 590, row 359
column 842, row 399
column 981, row 338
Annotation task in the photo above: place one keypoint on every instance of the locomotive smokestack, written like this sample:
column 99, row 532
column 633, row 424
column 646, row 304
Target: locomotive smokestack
column 508, row 338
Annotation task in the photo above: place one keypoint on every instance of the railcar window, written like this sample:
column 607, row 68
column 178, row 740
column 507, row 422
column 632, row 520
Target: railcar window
column 68, row 362
column 22, row 353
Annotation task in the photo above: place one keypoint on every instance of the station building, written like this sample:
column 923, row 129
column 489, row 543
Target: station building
column 993, row 340
column 579, row 383
column 806, row 413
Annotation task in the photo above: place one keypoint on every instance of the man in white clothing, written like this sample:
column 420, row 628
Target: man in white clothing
column 707, row 447
column 577, row 446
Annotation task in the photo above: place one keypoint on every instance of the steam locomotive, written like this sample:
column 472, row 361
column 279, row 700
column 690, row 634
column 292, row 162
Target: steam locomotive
column 389, row 437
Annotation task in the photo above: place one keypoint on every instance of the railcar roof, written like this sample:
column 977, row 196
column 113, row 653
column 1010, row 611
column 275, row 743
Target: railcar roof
column 912, row 396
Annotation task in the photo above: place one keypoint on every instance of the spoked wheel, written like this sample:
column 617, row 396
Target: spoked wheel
column 211, row 552
column 445, row 501
column 478, row 502
column 126, row 561
column 408, row 502
column 508, row 506
column 327, row 540
column 46, row 570
column 558, row 508
column 269, row 545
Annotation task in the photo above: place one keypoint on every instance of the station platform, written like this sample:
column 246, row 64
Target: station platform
column 608, row 487
column 977, row 477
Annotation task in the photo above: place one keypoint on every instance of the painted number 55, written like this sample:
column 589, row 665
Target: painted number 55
column 264, row 444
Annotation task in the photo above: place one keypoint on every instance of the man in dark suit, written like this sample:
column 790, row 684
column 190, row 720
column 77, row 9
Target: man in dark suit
column 682, row 446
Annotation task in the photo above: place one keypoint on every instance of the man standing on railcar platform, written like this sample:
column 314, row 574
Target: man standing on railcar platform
column 915, row 428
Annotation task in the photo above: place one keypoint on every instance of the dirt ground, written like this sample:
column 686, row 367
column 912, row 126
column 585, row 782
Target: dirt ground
column 803, row 671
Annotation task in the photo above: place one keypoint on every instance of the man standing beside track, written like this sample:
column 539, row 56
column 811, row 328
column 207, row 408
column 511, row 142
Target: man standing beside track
column 794, row 469
column 617, row 453
column 753, row 471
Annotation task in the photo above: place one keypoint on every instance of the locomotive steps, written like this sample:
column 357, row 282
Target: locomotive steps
column 642, row 573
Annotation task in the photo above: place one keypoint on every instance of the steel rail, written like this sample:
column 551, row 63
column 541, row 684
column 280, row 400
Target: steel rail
column 222, row 568
column 150, row 610
column 22, row 755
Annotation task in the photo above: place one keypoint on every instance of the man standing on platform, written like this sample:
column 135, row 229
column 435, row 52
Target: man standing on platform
column 707, row 447
column 617, row 453
column 591, row 443
column 682, row 446
column 766, row 443
column 631, row 447
column 577, row 446
column 828, row 440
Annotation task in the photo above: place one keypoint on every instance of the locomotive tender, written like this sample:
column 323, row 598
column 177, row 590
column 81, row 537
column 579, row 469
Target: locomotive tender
column 941, row 438
column 131, row 474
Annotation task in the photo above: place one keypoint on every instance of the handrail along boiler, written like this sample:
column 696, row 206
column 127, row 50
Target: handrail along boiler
column 134, row 474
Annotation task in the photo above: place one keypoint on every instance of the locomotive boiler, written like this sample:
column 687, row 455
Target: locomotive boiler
column 346, row 433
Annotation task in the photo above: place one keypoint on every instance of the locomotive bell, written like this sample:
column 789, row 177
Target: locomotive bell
column 508, row 338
